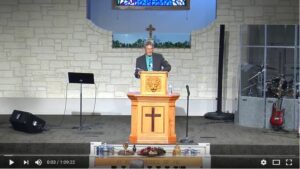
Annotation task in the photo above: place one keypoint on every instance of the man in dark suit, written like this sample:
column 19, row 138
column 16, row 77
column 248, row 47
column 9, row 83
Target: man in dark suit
column 150, row 61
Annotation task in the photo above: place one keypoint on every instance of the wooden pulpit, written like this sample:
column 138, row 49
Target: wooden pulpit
column 153, row 110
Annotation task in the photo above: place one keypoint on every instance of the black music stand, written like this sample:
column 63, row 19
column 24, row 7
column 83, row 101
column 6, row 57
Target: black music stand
column 81, row 78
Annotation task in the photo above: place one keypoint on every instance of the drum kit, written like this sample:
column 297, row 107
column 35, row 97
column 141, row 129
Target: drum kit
column 278, row 86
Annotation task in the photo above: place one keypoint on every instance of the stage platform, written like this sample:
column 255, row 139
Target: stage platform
column 228, row 141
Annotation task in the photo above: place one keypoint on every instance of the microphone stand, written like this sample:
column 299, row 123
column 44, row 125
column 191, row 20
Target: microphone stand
column 186, row 140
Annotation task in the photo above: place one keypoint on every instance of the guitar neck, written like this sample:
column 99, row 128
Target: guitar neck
column 279, row 104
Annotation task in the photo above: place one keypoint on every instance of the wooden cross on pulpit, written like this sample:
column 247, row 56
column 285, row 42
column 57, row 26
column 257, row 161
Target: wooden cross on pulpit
column 150, row 29
column 153, row 115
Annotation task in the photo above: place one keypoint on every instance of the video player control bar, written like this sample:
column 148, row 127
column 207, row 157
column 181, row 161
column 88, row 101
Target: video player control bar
column 13, row 161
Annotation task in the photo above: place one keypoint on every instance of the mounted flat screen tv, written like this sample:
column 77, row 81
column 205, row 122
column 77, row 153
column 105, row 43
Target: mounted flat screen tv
column 151, row 4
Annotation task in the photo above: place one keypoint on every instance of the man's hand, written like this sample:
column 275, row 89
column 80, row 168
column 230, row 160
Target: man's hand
column 138, row 72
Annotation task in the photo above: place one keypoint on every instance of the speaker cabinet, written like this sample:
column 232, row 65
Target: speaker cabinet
column 27, row 122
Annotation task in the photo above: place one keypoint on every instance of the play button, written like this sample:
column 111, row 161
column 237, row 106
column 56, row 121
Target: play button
column 10, row 162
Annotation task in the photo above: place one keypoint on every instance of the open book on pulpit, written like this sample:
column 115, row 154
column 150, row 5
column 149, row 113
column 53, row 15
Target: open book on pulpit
column 153, row 110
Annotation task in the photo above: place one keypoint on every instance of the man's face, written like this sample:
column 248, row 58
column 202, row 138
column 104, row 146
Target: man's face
column 149, row 50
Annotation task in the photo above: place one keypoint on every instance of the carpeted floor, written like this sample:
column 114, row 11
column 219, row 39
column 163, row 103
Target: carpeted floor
column 116, row 129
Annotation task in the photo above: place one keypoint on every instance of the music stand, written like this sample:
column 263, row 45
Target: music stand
column 81, row 78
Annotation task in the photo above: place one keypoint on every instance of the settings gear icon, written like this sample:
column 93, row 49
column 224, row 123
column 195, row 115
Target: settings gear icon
column 263, row 162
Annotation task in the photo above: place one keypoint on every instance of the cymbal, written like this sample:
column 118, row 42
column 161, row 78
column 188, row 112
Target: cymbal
column 246, row 67
column 268, row 67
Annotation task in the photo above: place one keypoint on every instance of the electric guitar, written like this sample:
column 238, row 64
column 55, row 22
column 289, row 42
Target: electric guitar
column 277, row 117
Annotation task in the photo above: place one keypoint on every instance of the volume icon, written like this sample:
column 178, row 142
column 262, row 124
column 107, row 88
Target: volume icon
column 38, row 162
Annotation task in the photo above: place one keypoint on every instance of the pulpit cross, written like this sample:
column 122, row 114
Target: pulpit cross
column 153, row 115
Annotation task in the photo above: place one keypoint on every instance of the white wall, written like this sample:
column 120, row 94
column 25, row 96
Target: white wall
column 42, row 40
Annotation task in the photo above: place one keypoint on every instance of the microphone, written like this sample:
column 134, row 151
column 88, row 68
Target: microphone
column 151, row 66
column 186, row 140
column 188, row 90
